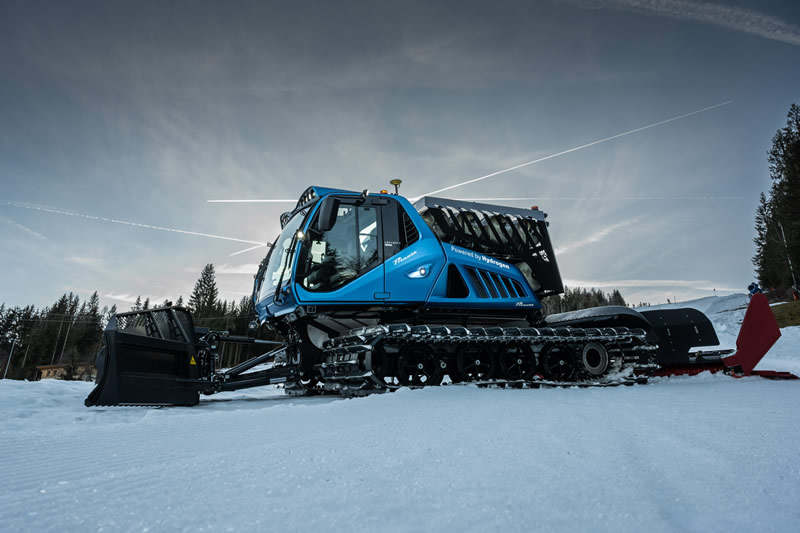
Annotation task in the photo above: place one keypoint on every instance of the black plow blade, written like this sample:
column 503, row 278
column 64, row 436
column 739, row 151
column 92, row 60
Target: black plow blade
column 148, row 358
column 678, row 331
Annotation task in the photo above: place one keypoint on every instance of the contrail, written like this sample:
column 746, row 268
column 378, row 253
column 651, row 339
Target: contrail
column 604, row 198
column 551, row 156
column 252, row 201
column 510, row 199
column 125, row 222
column 256, row 247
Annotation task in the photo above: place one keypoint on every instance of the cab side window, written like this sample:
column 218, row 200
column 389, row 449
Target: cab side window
column 347, row 250
column 367, row 237
column 398, row 229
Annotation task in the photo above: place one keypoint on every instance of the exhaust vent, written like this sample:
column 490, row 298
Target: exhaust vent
column 456, row 287
column 490, row 285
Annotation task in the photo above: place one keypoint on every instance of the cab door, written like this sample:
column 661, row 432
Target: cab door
column 344, row 265
column 413, row 259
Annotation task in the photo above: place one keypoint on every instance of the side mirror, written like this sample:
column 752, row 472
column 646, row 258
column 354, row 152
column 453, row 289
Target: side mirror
column 327, row 214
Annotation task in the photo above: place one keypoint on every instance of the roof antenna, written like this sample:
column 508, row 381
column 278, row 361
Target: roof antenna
column 396, row 184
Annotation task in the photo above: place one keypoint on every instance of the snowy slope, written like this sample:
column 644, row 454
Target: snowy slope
column 690, row 453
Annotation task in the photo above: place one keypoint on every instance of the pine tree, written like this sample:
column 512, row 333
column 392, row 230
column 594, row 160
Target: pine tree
column 108, row 314
column 770, row 257
column 203, row 300
column 778, row 215
column 760, row 240
column 88, row 342
column 616, row 298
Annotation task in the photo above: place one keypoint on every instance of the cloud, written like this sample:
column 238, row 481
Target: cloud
column 91, row 262
column 120, row 297
column 700, row 285
column 596, row 236
column 130, row 298
column 249, row 269
column 735, row 18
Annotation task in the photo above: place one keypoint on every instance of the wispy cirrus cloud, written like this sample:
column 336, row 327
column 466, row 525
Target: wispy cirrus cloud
column 700, row 285
column 91, row 262
column 732, row 17
column 247, row 268
column 130, row 298
column 595, row 237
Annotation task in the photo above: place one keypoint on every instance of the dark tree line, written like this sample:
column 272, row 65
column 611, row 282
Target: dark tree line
column 69, row 332
column 777, row 220
column 64, row 333
column 580, row 298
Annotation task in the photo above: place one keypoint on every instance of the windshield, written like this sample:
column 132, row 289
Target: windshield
column 278, row 257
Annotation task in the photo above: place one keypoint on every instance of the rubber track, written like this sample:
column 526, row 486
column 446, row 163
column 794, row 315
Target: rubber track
column 346, row 367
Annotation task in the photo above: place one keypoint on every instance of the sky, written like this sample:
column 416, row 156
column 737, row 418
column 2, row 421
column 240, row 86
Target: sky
column 120, row 120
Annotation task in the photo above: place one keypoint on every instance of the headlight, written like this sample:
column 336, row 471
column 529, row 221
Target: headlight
column 419, row 272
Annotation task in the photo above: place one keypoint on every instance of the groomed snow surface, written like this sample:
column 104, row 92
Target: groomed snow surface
column 703, row 453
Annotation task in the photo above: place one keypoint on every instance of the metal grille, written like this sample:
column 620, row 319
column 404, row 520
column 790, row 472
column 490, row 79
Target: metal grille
column 506, row 233
column 490, row 285
column 171, row 323
column 411, row 233
column 490, row 232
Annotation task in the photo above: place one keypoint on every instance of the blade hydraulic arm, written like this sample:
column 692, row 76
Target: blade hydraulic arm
column 158, row 357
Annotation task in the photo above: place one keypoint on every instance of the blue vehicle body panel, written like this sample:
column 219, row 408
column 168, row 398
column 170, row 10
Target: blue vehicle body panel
column 415, row 277
column 267, row 307
column 361, row 290
column 492, row 284
column 412, row 273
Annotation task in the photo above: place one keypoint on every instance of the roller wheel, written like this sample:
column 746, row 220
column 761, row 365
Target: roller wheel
column 595, row 359
column 384, row 366
column 305, row 386
column 517, row 363
column 309, row 382
column 558, row 362
column 418, row 366
column 475, row 363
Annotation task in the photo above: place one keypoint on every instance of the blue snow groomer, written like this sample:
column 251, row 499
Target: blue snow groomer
column 371, row 292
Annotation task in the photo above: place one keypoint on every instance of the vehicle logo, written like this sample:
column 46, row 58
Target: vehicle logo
column 403, row 259
column 480, row 257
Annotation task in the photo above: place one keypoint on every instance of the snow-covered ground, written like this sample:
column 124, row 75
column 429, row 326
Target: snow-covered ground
column 691, row 453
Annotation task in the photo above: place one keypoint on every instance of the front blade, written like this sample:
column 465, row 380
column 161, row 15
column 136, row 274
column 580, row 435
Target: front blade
column 148, row 358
